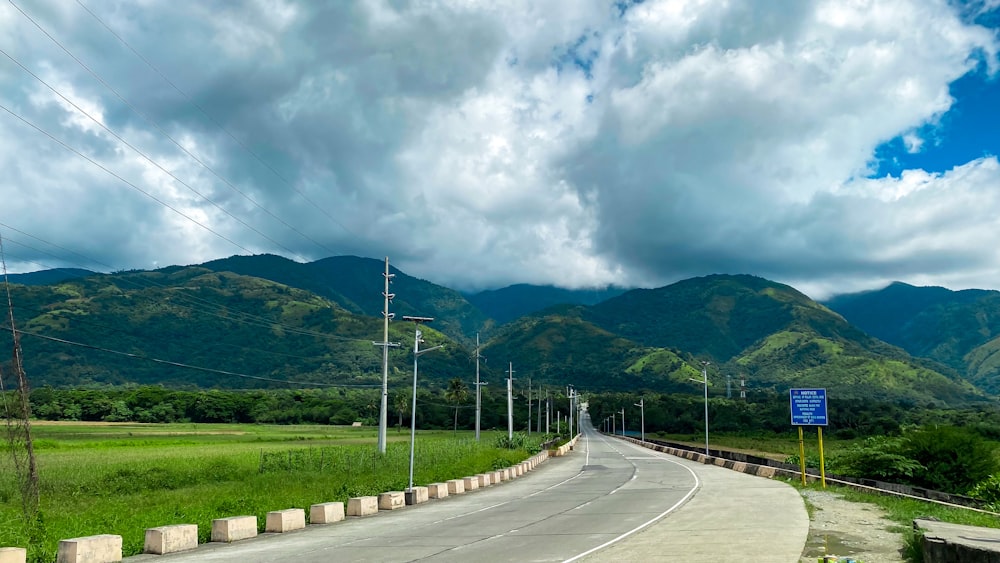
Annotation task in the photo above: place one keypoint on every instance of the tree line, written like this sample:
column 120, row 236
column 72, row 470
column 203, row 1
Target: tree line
column 452, row 406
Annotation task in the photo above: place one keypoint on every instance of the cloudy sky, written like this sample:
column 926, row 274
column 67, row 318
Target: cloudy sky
column 831, row 145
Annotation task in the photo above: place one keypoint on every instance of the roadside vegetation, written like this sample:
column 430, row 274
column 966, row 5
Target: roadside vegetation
column 121, row 478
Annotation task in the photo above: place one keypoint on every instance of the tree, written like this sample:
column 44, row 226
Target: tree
column 456, row 394
column 401, row 402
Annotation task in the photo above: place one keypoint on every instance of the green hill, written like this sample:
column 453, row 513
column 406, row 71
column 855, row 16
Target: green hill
column 777, row 337
column 264, row 321
column 512, row 302
column 238, row 330
column 356, row 285
column 557, row 347
column 956, row 328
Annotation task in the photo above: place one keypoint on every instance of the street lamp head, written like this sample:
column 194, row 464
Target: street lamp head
column 418, row 319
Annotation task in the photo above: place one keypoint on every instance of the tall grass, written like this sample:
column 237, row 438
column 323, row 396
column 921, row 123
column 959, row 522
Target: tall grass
column 122, row 480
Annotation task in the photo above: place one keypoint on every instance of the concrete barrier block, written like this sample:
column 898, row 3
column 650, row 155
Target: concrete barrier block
column 416, row 495
column 720, row 462
column 471, row 483
column 281, row 521
column 495, row 477
column 740, row 466
column 362, row 506
column 170, row 539
column 391, row 500
column 437, row 490
column 765, row 471
column 456, row 486
column 485, row 479
column 234, row 528
column 13, row 555
column 105, row 548
column 326, row 513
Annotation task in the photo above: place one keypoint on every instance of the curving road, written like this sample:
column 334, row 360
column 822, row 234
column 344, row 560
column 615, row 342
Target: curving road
column 608, row 500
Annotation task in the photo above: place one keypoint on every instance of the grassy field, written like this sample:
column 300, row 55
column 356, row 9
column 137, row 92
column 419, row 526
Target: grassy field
column 123, row 478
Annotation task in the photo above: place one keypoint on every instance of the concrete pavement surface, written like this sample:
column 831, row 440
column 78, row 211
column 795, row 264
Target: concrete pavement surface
column 608, row 500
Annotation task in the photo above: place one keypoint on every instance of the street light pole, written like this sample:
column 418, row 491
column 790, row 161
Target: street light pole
column 570, row 395
column 623, row 421
column 417, row 352
column 642, row 414
column 704, row 381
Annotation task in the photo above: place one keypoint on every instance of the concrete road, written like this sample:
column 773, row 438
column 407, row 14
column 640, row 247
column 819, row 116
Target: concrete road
column 606, row 501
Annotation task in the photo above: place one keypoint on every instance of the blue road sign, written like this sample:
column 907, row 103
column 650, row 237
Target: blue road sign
column 808, row 407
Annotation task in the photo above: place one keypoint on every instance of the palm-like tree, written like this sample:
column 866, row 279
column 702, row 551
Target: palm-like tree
column 402, row 404
column 456, row 394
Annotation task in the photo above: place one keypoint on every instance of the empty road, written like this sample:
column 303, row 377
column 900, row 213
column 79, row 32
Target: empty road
column 608, row 500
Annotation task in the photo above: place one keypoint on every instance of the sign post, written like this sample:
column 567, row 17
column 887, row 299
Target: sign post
column 808, row 407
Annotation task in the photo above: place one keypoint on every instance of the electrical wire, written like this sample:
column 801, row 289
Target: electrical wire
column 163, row 132
column 121, row 140
column 123, row 180
column 225, row 314
column 189, row 366
column 212, row 120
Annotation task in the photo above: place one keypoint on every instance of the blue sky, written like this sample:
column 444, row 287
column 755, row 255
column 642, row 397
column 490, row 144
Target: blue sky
column 833, row 145
column 969, row 130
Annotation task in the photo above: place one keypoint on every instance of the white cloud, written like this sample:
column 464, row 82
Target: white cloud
column 483, row 143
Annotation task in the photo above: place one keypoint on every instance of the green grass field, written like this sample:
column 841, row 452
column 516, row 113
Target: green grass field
column 123, row 478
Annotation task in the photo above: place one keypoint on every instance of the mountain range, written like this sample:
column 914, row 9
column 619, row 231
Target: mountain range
column 252, row 321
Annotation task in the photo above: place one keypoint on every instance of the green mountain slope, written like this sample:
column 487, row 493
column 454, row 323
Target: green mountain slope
column 356, row 285
column 959, row 329
column 777, row 336
column 715, row 316
column 557, row 347
column 932, row 322
column 242, row 331
column 515, row 301
column 49, row 277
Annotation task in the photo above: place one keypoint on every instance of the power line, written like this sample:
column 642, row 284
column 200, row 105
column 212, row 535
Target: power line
column 212, row 120
column 162, row 131
column 186, row 366
column 227, row 314
column 123, row 180
column 147, row 157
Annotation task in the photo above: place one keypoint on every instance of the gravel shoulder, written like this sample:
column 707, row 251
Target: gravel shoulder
column 850, row 529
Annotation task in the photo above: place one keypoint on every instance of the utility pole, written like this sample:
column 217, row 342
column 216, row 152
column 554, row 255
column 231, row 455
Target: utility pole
column 614, row 423
column 623, row 421
column 548, row 405
column 569, row 395
column 538, row 425
column 385, row 344
column 529, row 406
column 510, row 401
column 479, row 394
column 642, row 413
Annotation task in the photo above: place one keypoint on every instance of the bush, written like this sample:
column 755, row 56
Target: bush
column 989, row 492
column 519, row 441
column 954, row 459
column 878, row 458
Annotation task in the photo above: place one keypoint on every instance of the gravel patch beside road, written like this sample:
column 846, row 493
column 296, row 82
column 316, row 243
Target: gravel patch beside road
column 850, row 529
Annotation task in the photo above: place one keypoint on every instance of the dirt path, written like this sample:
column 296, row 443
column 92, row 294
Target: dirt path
column 850, row 529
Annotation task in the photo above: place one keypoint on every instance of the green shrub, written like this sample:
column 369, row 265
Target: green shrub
column 877, row 458
column 954, row 459
column 989, row 492
column 517, row 441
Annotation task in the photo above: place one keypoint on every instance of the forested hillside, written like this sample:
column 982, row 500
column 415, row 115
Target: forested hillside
column 238, row 331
